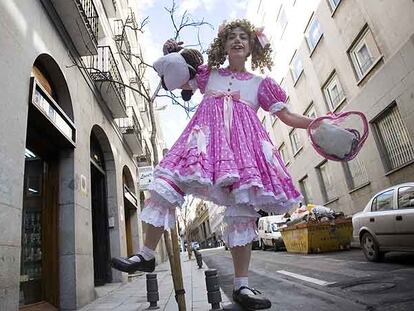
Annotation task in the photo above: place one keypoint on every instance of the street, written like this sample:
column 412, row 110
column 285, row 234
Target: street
column 328, row 281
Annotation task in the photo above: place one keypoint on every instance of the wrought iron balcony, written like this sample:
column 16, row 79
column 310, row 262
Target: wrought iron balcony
column 103, row 69
column 121, row 40
column 146, row 158
column 80, row 19
column 131, row 130
column 110, row 7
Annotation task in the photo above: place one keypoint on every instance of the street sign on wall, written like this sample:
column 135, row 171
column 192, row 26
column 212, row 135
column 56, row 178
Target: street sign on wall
column 145, row 176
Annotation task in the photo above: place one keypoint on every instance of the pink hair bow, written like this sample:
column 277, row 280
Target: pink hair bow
column 221, row 27
column 261, row 37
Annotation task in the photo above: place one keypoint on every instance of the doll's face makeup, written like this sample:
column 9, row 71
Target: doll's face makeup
column 238, row 43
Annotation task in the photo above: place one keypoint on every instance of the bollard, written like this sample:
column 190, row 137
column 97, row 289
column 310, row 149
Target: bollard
column 199, row 259
column 213, row 289
column 152, row 291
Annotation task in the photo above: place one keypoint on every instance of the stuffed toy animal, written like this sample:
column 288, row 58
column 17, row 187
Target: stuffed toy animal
column 177, row 68
column 335, row 139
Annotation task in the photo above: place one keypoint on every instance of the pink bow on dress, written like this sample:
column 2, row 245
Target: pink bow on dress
column 227, row 108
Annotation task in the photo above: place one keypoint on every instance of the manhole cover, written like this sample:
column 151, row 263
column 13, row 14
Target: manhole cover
column 371, row 287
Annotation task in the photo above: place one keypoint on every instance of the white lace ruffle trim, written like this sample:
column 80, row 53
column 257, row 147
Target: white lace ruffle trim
column 162, row 190
column 158, row 215
column 251, row 194
column 276, row 107
column 239, row 230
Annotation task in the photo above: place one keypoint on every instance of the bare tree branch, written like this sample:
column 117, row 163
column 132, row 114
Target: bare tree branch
column 137, row 64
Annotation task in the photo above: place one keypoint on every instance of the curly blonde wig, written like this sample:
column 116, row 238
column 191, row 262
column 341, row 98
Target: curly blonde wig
column 261, row 57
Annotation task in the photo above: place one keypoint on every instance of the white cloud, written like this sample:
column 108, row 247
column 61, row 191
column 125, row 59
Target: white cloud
column 192, row 5
column 143, row 5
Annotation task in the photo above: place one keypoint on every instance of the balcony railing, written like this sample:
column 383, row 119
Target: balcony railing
column 80, row 19
column 131, row 123
column 90, row 15
column 121, row 38
column 146, row 158
column 132, row 131
column 103, row 69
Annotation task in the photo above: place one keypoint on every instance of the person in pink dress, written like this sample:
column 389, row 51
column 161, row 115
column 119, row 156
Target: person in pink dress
column 225, row 155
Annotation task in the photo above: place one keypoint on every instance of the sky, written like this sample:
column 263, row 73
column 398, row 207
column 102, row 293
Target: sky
column 173, row 118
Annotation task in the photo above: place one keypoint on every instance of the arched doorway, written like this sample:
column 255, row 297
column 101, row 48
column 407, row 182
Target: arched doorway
column 130, row 210
column 50, row 133
column 99, row 204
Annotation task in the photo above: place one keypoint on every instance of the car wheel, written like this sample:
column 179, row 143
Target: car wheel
column 370, row 248
column 275, row 247
column 263, row 246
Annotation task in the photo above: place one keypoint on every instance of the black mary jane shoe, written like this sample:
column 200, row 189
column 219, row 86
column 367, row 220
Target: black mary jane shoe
column 126, row 265
column 252, row 301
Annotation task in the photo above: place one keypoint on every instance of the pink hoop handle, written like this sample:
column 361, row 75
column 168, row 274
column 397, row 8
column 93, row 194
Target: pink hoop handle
column 334, row 116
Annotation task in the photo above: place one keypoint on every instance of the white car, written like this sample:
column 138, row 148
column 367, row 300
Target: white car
column 269, row 234
column 387, row 222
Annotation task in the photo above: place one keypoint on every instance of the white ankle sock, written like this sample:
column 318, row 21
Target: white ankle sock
column 145, row 252
column 239, row 282
column 242, row 281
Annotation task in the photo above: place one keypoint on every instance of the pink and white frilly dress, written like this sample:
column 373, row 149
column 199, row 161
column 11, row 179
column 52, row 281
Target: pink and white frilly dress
column 225, row 155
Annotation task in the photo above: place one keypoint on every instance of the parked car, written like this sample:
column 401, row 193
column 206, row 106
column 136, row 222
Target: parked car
column 269, row 234
column 387, row 222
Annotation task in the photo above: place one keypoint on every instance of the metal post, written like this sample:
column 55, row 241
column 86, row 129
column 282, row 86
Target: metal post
column 213, row 289
column 199, row 259
column 152, row 291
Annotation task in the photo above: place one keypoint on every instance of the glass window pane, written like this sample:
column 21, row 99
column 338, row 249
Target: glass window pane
column 283, row 153
column 334, row 3
column 296, row 67
column 384, row 201
column 295, row 141
column 327, row 181
column 358, row 173
column 395, row 138
column 306, row 190
column 313, row 33
column 333, row 92
column 406, row 197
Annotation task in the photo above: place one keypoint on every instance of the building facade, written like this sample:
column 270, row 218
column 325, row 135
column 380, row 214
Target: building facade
column 72, row 139
column 342, row 55
column 200, row 225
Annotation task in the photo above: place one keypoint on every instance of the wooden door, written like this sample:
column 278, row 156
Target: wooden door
column 39, row 279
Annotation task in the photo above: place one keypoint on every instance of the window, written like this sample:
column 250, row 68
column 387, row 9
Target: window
column 334, row 4
column 296, row 67
column 311, row 112
column 313, row 33
column 306, row 190
column 333, row 92
column 325, row 179
column 281, row 21
column 364, row 53
column 383, row 202
column 406, row 197
column 295, row 141
column 356, row 174
column 394, row 138
column 283, row 153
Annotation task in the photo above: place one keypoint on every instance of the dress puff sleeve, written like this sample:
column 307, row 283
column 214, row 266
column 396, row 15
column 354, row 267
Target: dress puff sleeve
column 271, row 96
column 201, row 78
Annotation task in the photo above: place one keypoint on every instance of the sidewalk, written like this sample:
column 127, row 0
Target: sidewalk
column 132, row 296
